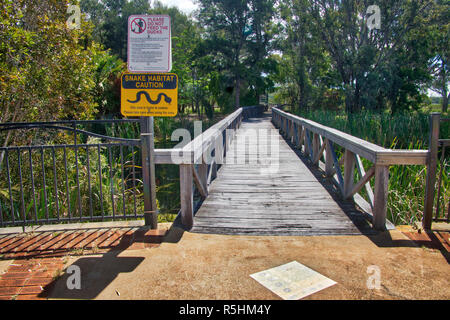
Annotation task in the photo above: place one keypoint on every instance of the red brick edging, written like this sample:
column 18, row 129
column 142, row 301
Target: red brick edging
column 29, row 279
column 40, row 258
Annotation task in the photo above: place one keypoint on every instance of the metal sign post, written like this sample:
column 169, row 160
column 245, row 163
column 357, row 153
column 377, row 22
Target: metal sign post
column 148, row 172
column 146, row 93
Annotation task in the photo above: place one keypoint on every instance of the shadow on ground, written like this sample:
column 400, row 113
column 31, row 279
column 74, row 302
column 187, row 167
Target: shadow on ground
column 97, row 272
column 362, row 220
column 424, row 239
column 127, row 252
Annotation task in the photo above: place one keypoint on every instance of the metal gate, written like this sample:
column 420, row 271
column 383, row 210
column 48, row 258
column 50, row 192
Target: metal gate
column 96, row 178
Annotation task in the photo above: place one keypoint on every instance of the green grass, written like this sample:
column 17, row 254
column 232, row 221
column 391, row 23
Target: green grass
column 401, row 131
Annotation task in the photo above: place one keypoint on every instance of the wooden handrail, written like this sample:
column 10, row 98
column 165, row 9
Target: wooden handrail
column 317, row 140
column 214, row 139
column 193, row 151
column 365, row 149
column 201, row 143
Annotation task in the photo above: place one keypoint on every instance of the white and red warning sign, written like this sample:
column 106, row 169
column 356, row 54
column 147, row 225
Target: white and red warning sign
column 149, row 43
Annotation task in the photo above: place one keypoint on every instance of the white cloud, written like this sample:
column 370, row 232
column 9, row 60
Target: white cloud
column 187, row 6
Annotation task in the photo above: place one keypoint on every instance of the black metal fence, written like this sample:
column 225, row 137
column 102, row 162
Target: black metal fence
column 93, row 180
column 443, row 145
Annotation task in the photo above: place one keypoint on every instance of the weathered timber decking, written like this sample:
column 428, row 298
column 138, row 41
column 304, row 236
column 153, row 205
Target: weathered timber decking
column 245, row 199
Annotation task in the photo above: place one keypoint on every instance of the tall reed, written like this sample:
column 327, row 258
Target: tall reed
column 400, row 131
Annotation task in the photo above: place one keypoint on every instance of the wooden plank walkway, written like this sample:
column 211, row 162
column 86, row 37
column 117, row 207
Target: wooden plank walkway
column 248, row 198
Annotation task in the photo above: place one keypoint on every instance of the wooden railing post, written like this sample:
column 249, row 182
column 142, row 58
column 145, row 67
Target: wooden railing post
column 186, row 195
column 380, row 197
column 349, row 171
column 293, row 130
column 286, row 128
column 431, row 170
column 308, row 146
column 203, row 175
column 299, row 136
column 328, row 159
column 315, row 146
column 295, row 138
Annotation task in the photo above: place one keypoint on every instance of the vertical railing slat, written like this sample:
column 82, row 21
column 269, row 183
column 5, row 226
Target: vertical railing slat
column 21, row 187
column 100, row 180
column 77, row 171
column 123, row 181
column 11, row 202
column 32, row 184
column 44, row 184
column 134, row 180
column 111, row 180
column 88, row 167
column 55, row 182
column 69, row 212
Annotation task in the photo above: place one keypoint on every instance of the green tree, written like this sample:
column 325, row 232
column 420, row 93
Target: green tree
column 110, row 18
column 305, row 65
column 46, row 69
column 238, row 38
column 438, row 65
column 375, row 64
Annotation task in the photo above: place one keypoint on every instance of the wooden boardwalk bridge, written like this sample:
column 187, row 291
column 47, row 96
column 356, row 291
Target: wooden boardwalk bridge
column 252, row 197
column 308, row 180
column 252, row 173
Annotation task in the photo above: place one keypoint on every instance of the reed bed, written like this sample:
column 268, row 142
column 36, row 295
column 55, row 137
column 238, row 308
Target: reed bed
column 400, row 131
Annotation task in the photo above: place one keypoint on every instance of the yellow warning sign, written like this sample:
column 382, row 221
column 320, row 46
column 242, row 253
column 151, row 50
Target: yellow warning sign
column 149, row 95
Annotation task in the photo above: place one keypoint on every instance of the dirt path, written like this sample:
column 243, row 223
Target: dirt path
column 196, row 266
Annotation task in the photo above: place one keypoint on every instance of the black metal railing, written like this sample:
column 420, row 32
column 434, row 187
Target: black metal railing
column 88, row 181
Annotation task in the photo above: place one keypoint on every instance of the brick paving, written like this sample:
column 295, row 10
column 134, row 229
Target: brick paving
column 37, row 259
column 439, row 240
column 29, row 279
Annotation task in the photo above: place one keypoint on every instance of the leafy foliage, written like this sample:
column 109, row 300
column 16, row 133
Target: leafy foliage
column 238, row 40
column 329, row 46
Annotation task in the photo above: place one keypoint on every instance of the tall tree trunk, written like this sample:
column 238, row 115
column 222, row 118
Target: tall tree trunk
column 238, row 90
column 445, row 98
column 352, row 98
column 349, row 101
